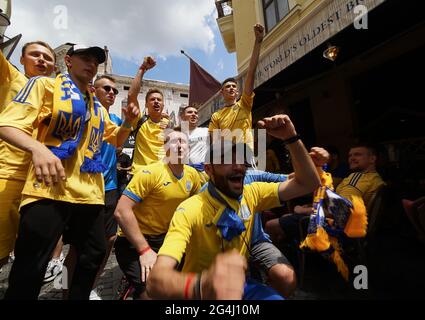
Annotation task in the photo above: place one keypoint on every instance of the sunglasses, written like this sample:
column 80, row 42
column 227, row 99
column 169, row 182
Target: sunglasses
column 109, row 88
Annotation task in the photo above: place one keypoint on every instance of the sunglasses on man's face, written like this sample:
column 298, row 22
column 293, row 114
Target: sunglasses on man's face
column 109, row 88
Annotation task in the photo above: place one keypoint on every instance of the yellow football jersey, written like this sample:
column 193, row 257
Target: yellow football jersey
column 158, row 192
column 13, row 161
column 237, row 118
column 149, row 144
column 30, row 112
column 363, row 185
column 193, row 230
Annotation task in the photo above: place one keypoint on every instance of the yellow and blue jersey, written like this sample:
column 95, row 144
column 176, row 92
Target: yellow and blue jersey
column 158, row 192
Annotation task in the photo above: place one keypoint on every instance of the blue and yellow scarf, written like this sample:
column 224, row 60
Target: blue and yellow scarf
column 325, row 235
column 227, row 221
column 68, row 122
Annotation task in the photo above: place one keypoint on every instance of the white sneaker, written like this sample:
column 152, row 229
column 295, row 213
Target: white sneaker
column 95, row 294
column 54, row 268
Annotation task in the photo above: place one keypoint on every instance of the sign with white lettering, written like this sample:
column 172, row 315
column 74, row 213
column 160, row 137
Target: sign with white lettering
column 331, row 19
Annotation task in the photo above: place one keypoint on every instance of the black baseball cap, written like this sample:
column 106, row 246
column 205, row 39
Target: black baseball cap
column 98, row 52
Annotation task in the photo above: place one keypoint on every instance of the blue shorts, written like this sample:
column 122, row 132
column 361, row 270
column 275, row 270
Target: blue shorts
column 256, row 291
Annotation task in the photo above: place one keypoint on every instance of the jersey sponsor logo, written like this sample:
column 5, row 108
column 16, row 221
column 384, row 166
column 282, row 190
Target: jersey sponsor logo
column 167, row 183
column 67, row 126
column 146, row 171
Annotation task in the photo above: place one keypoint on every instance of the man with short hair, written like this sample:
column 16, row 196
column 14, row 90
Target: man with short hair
column 106, row 92
column 236, row 114
column 363, row 183
column 149, row 142
column 38, row 59
column 214, row 228
column 61, row 124
column 198, row 140
column 146, row 207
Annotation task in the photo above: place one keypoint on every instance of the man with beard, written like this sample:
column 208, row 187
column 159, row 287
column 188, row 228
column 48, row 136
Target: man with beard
column 214, row 228
column 146, row 207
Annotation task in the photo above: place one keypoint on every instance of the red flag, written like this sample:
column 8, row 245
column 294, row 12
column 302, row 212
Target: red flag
column 202, row 85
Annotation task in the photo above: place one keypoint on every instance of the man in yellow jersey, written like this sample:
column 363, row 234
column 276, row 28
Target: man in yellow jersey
column 64, row 188
column 236, row 114
column 364, row 183
column 146, row 207
column 38, row 59
column 214, row 228
column 149, row 141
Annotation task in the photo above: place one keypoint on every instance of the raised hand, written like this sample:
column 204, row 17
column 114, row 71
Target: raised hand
column 319, row 156
column 131, row 113
column 279, row 126
column 259, row 32
column 148, row 63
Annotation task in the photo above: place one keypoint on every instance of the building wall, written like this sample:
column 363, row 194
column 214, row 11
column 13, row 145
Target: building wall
column 175, row 94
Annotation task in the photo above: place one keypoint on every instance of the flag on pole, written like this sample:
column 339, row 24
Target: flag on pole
column 202, row 85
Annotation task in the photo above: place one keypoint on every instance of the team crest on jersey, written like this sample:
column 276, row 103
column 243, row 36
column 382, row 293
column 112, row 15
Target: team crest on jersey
column 95, row 140
column 167, row 183
column 67, row 127
column 244, row 212
column 188, row 186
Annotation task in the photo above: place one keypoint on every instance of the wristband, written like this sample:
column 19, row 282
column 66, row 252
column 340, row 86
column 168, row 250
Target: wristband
column 126, row 125
column 292, row 139
column 197, row 290
column 187, row 284
column 143, row 251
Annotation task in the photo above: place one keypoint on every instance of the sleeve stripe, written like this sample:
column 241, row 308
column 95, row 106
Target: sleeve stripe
column 356, row 177
column 24, row 93
column 132, row 196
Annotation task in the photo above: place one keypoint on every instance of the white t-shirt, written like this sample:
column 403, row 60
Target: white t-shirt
column 198, row 140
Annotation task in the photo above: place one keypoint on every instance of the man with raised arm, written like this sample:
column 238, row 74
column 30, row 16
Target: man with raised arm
column 214, row 228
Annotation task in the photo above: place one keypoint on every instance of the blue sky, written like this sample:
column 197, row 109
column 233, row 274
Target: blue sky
column 131, row 29
column 219, row 63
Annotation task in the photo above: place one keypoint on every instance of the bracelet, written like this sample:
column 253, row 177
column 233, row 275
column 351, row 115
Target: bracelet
column 292, row 139
column 197, row 290
column 143, row 251
column 187, row 284
column 126, row 125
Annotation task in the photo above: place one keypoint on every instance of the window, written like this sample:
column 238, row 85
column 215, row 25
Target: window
column 274, row 11
column 184, row 95
column 126, row 88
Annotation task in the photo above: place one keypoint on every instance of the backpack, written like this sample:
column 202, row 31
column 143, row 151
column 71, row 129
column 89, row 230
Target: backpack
column 131, row 140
